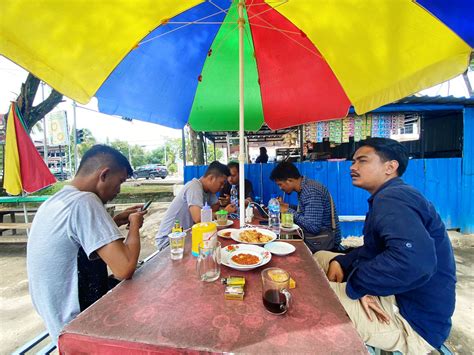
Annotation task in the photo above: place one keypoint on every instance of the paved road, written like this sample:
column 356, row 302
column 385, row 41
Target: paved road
column 171, row 180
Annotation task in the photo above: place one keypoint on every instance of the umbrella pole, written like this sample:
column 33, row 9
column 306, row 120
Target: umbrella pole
column 241, row 115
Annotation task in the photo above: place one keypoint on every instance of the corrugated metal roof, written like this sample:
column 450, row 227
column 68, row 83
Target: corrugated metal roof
column 439, row 100
column 265, row 134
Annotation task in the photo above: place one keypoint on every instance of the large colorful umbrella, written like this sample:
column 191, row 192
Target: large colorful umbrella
column 173, row 62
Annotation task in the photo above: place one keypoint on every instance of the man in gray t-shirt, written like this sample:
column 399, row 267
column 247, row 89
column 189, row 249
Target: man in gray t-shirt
column 186, row 206
column 75, row 218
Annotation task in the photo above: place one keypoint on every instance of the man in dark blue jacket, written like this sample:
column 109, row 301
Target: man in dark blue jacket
column 404, row 275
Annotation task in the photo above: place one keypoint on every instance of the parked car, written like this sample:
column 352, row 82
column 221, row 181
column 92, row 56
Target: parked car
column 150, row 171
column 60, row 175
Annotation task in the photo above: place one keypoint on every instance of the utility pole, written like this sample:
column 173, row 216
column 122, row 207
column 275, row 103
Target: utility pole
column 71, row 170
column 45, row 143
column 76, row 156
column 183, row 143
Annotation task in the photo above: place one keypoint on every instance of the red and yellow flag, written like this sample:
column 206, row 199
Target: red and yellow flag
column 24, row 168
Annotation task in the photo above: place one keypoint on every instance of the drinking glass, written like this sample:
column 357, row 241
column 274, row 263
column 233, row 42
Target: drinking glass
column 275, row 294
column 208, row 264
column 287, row 220
column 177, row 245
column 221, row 217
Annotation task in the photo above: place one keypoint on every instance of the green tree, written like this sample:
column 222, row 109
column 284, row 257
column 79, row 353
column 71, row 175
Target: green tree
column 138, row 156
column 87, row 143
column 33, row 114
column 210, row 153
column 156, row 156
column 135, row 154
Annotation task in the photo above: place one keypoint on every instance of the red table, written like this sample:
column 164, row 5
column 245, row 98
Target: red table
column 165, row 308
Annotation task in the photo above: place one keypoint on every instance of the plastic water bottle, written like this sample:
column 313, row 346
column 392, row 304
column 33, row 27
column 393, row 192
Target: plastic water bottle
column 274, row 215
column 206, row 213
column 234, row 196
column 249, row 214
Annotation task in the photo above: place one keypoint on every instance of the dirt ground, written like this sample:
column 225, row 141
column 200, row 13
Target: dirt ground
column 20, row 323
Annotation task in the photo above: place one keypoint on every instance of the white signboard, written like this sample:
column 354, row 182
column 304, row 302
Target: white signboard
column 57, row 128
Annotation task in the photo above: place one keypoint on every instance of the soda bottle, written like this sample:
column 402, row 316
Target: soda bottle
column 274, row 215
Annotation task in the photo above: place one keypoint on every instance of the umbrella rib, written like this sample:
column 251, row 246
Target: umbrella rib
column 277, row 29
column 279, row 3
column 249, row 40
column 180, row 27
column 219, row 44
column 217, row 6
column 283, row 32
column 197, row 23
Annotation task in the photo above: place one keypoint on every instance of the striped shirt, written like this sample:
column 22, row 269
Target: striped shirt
column 313, row 213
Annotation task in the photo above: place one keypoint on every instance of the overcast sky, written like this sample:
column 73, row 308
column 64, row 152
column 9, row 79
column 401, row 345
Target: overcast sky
column 105, row 127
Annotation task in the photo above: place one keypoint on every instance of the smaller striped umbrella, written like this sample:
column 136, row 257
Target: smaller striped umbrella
column 24, row 170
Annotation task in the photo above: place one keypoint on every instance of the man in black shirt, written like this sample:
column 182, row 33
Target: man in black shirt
column 233, row 179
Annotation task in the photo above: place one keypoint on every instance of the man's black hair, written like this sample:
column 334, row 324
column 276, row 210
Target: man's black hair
column 217, row 169
column 284, row 171
column 233, row 164
column 389, row 149
column 103, row 156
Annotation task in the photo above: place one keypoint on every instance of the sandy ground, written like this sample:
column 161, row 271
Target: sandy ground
column 20, row 323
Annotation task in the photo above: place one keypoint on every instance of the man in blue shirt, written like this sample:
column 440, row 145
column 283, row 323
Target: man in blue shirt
column 313, row 213
column 404, row 275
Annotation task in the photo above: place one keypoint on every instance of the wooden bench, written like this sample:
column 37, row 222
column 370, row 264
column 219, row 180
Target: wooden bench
column 352, row 218
column 13, row 212
column 15, row 225
column 6, row 201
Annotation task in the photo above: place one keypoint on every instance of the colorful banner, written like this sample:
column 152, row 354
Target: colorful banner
column 347, row 129
column 358, row 128
column 335, row 131
column 320, row 132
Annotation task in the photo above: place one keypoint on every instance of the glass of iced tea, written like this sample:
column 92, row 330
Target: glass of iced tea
column 275, row 294
column 287, row 220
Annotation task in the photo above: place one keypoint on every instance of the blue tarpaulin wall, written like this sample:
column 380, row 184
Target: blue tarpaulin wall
column 438, row 179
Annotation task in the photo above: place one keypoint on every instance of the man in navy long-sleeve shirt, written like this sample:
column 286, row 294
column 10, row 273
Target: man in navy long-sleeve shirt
column 404, row 275
column 313, row 213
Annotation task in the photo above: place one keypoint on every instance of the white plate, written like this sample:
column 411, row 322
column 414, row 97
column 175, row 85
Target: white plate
column 237, row 232
column 291, row 229
column 257, row 254
column 228, row 250
column 229, row 223
column 280, row 248
column 222, row 231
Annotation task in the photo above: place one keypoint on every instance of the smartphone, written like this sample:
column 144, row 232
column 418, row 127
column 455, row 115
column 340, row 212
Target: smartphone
column 146, row 205
column 260, row 209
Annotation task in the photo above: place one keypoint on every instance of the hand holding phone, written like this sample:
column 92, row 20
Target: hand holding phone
column 146, row 205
